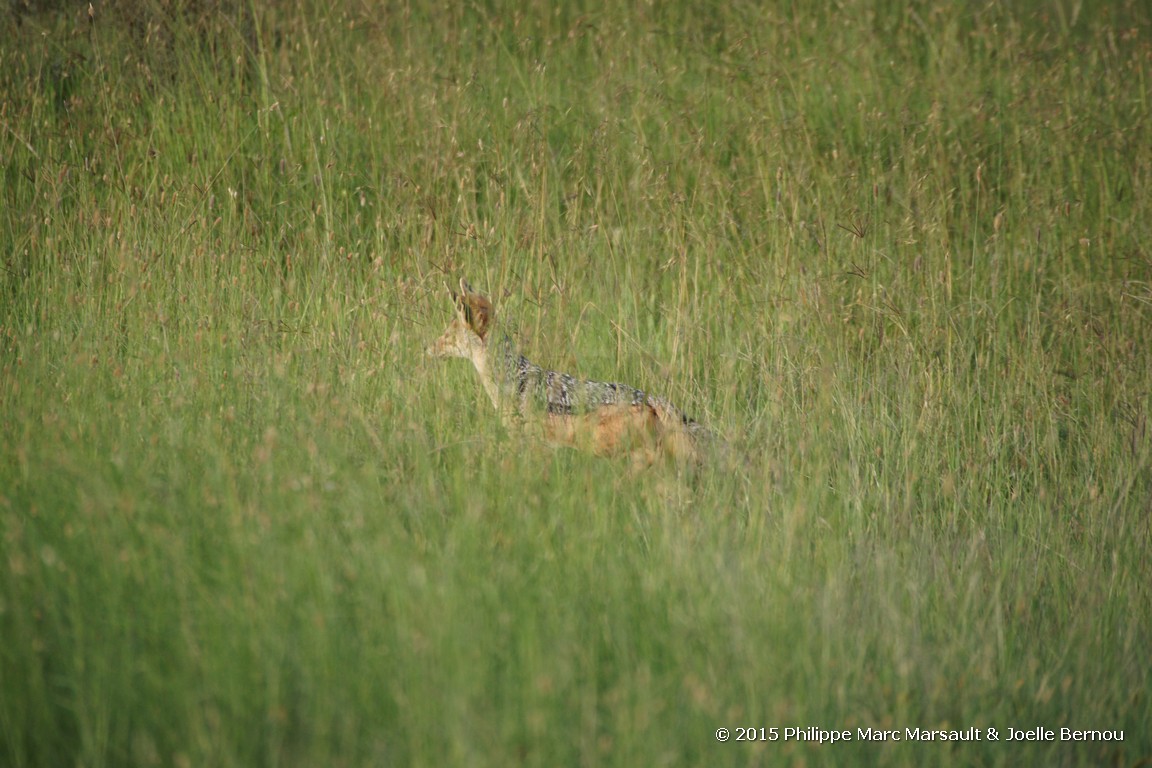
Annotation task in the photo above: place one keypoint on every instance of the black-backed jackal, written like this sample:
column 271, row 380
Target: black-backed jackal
column 604, row 417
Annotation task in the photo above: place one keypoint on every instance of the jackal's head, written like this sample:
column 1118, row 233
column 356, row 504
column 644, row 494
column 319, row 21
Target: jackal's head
column 467, row 334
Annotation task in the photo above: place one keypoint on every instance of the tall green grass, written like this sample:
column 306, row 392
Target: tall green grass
column 896, row 253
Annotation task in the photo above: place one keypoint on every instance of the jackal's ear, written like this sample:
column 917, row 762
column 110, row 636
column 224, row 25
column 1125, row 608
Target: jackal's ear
column 475, row 309
column 458, row 299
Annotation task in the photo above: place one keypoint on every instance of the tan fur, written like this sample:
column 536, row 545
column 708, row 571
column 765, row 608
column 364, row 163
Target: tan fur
column 607, row 431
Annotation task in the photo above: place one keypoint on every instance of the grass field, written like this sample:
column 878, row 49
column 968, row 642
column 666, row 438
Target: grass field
column 897, row 253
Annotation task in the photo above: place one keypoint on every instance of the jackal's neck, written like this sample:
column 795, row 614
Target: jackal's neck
column 490, row 359
column 503, row 370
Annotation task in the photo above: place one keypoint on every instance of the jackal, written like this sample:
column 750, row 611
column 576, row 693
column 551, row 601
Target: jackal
column 605, row 418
